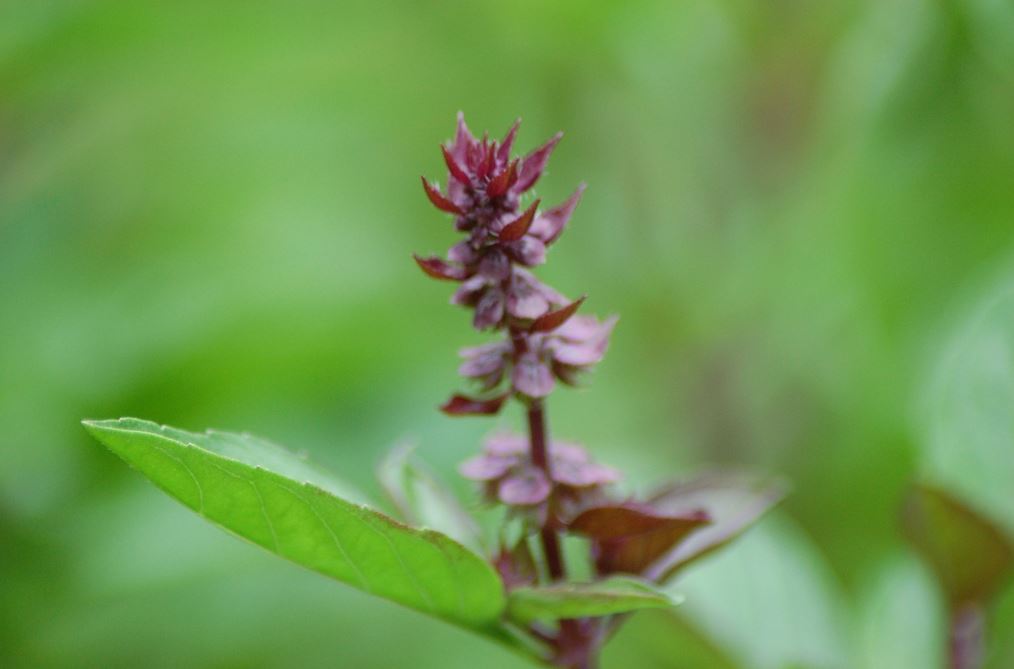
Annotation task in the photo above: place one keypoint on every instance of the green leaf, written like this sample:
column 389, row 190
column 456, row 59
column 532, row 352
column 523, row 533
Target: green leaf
column 424, row 501
column 277, row 500
column 969, row 410
column 902, row 619
column 770, row 601
column 969, row 555
column 577, row 600
column 664, row 640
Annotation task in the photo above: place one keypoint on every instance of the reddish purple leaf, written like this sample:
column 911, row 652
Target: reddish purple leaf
column 463, row 139
column 517, row 566
column 628, row 520
column 970, row 556
column 438, row 269
column 504, row 153
column 460, row 405
column 554, row 319
column 438, row 199
column 501, row 182
column 488, row 162
column 534, row 163
column 734, row 502
column 629, row 538
column 456, row 170
column 517, row 228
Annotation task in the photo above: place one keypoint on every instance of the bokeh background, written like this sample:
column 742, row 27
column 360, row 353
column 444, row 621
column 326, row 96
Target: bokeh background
column 802, row 211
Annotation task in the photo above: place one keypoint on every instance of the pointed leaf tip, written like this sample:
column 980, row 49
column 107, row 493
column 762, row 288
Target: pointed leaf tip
column 504, row 152
column 455, row 169
column 438, row 200
column 438, row 269
column 554, row 319
column 281, row 502
column 517, row 228
column 461, row 405
column 534, row 163
column 502, row 182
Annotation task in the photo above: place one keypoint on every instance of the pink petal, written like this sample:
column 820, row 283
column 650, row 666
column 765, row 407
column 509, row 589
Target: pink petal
column 489, row 310
column 463, row 253
column 532, row 377
column 495, row 265
column 550, row 224
column 486, row 467
column 528, row 251
column 524, row 299
column 469, row 292
column 525, row 489
column 506, row 443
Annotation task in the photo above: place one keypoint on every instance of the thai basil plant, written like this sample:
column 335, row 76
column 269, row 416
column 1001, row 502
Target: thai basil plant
column 573, row 556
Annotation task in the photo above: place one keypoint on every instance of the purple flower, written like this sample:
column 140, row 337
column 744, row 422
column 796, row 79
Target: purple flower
column 506, row 470
column 484, row 186
column 572, row 348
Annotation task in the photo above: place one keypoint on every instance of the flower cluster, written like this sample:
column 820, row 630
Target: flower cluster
column 553, row 487
column 509, row 475
column 544, row 340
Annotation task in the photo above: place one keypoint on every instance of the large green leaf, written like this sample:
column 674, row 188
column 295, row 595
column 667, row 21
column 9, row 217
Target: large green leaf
column 578, row 600
column 901, row 617
column 770, row 601
column 423, row 500
column 664, row 640
column 969, row 411
column 277, row 500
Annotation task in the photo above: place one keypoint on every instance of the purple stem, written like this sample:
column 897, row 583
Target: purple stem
column 550, row 542
column 966, row 638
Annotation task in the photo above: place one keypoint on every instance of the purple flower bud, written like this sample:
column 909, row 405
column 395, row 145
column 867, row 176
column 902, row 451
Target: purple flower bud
column 529, row 251
column 532, row 376
column 495, row 265
column 526, row 487
column 485, row 363
column 534, row 163
column 438, row 200
column 506, row 466
column 490, row 308
column 487, row 467
column 549, row 225
column 527, row 297
column 506, row 443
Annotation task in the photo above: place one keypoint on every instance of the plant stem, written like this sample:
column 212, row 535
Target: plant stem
column 540, row 458
column 966, row 637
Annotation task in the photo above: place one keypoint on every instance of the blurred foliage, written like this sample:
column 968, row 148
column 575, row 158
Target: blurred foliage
column 206, row 215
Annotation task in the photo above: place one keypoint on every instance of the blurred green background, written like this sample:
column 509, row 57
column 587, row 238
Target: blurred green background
column 207, row 212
